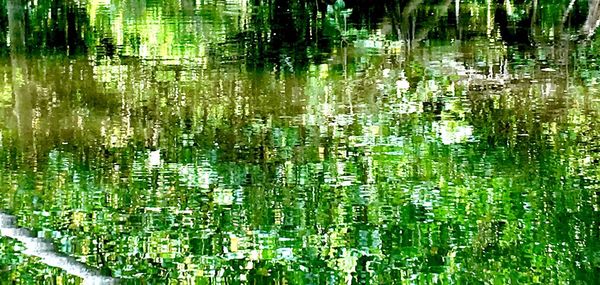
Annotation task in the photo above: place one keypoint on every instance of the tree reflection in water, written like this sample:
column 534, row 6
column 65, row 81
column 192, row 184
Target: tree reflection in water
column 303, row 141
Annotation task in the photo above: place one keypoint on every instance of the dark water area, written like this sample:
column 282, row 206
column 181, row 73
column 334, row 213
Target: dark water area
column 301, row 142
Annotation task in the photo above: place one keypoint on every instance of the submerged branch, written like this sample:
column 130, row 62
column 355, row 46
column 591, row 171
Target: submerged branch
column 43, row 250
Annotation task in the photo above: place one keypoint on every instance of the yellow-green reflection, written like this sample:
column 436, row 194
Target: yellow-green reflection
column 232, row 142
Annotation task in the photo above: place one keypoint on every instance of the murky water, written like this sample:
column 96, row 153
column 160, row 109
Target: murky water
column 291, row 142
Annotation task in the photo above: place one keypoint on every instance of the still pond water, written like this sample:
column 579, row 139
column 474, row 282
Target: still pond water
column 295, row 142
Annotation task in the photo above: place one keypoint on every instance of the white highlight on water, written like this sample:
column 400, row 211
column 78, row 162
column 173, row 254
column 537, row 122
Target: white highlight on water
column 44, row 250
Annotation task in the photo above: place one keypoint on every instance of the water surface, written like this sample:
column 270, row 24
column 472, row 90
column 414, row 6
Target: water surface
column 272, row 142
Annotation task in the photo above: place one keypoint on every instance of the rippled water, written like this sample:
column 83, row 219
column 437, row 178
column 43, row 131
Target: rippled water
column 293, row 142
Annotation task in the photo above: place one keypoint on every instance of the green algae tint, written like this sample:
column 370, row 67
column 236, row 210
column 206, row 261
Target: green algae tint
column 295, row 142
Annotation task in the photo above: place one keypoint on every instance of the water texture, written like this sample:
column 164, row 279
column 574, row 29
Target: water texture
column 44, row 250
column 299, row 142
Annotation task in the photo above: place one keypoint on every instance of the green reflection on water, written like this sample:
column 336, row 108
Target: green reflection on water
column 231, row 142
column 16, row 268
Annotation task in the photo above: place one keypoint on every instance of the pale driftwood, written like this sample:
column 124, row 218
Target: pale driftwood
column 44, row 250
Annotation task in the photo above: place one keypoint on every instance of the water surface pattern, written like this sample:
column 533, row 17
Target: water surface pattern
column 301, row 142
